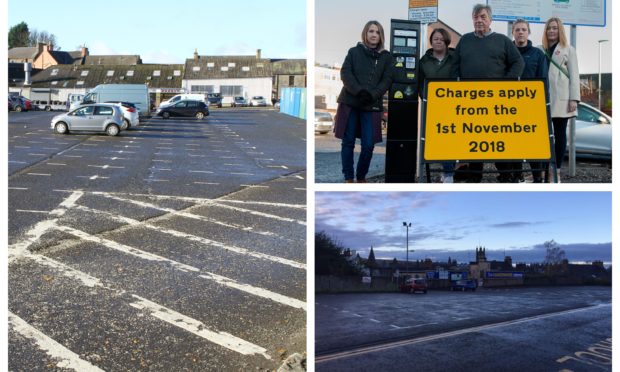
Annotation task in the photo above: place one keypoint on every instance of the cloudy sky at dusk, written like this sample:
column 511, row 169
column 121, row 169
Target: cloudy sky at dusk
column 453, row 224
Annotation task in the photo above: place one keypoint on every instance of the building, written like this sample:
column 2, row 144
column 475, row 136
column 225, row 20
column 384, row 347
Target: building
column 287, row 73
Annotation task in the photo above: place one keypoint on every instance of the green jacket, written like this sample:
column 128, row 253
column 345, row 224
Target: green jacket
column 365, row 69
column 431, row 68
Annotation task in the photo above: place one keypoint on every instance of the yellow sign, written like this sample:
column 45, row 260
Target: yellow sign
column 398, row 95
column 486, row 120
column 422, row 3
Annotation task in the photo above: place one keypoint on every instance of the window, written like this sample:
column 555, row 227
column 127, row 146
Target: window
column 54, row 82
column 54, row 72
column 231, row 64
column 192, row 104
column 181, row 104
column 129, row 73
column 80, row 82
column 291, row 81
column 157, row 73
column 196, row 68
column 104, row 110
column 177, row 73
column 224, row 68
column 210, row 65
column 83, row 111
column 260, row 65
column 84, row 73
column 202, row 89
column 245, row 68
column 110, row 73
column 231, row 90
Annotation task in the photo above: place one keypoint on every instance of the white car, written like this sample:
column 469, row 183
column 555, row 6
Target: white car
column 258, row 101
column 131, row 115
column 99, row 117
column 323, row 122
column 592, row 133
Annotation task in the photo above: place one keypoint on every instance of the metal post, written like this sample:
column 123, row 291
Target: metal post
column 572, row 158
column 407, row 226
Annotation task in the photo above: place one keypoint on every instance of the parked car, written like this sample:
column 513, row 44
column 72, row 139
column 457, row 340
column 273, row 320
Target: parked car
column 20, row 103
column 131, row 115
column 413, row 285
column 180, row 97
column 239, row 101
column 464, row 285
column 323, row 122
column 592, row 133
column 99, row 117
column 10, row 104
column 214, row 99
column 258, row 101
column 185, row 108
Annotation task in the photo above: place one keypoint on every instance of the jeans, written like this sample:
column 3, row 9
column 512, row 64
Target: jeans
column 559, row 131
column 364, row 120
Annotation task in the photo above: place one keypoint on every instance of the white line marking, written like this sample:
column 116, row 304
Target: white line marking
column 200, row 172
column 31, row 154
column 374, row 320
column 18, row 188
column 40, row 174
column 17, row 162
column 299, row 188
column 207, row 183
column 106, row 166
column 256, row 291
column 55, row 164
column 155, row 180
column 73, row 156
column 357, row 315
column 255, row 186
column 198, row 328
column 162, row 161
column 66, row 358
column 277, row 166
column 242, row 174
column 31, row 211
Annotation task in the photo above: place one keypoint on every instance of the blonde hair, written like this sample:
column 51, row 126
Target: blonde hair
column 562, row 35
column 381, row 34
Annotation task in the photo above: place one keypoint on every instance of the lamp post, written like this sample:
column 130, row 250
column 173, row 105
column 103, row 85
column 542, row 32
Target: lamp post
column 599, row 72
column 407, row 226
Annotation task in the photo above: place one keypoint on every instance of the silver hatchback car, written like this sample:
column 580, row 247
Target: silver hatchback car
column 99, row 117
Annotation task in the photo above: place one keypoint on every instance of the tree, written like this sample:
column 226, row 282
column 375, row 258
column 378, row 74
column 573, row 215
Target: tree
column 555, row 255
column 41, row 37
column 18, row 35
column 330, row 258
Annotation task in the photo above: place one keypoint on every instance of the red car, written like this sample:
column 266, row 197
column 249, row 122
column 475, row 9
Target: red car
column 412, row 285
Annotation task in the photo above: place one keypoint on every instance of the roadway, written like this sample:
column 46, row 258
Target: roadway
column 520, row 329
column 178, row 245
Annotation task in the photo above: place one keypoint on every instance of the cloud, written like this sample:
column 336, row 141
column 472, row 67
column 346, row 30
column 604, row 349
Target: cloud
column 514, row 224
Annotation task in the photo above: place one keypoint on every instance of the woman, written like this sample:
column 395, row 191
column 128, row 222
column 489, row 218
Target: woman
column 366, row 76
column 563, row 83
column 437, row 63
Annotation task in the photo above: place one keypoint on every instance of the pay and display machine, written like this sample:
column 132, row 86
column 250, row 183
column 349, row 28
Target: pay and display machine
column 402, row 133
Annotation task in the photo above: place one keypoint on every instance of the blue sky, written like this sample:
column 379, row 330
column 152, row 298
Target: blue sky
column 455, row 223
column 169, row 31
column 339, row 25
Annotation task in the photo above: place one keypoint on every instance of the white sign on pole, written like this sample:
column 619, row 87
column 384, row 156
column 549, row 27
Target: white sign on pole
column 571, row 12
column 424, row 11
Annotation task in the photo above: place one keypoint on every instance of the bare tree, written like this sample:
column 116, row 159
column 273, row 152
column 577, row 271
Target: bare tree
column 555, row 255
column 41, row 37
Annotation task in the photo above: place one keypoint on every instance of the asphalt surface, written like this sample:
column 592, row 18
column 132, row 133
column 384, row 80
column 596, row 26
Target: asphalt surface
column 520, row 329
column 177, row 245
column 328, row 166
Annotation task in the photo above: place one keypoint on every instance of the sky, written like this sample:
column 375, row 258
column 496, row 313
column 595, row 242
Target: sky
column 170, row 31
column 453, row 224
column 339, row 24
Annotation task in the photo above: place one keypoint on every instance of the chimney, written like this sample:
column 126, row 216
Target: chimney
column 84, row 52
column 27, row 72
column 50, row 47
column 196, row 57
column 257, row 53
column 40, row 47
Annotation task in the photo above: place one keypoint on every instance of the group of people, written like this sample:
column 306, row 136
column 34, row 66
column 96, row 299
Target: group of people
column 367, row 74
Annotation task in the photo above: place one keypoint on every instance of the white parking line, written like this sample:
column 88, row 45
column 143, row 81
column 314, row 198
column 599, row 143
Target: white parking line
column 32, row 154
column 161, row 161
column 155, row 180
column 106, row 166
column 198, row 171
column 73, row 156
column 198, row 328
column 206, row 183
column 255, row 186
column 39, row 174
column 31, row 211
column 18, row 188
column 17, row 162
column 374, row 320
column 65, row 357
column 241, row 174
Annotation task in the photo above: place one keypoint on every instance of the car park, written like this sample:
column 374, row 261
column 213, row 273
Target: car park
column 258, row 101
column 131, row 116
column 185, row 108
column 323, row 122
column 592, row 133
column 413, row 285
column 239, row 101
column 100, row 117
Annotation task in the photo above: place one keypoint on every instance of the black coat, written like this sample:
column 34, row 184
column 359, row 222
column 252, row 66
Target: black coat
column 364, row 68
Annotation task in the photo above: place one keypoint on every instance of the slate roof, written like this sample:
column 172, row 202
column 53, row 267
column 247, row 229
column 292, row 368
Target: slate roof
column 70, row 76
column 23, row 53
column 67, row 58
column 227, row 67
column 288, row 66
column 112, row 60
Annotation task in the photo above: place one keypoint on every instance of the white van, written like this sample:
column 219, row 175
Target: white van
column 74, row 100
column 178, row 97
column 138, row 94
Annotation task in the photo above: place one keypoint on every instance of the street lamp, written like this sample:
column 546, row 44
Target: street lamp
column 599, row 72
column 407, row 226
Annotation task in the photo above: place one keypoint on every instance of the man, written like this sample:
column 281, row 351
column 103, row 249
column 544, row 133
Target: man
column 486, row 54
column 536, row 66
